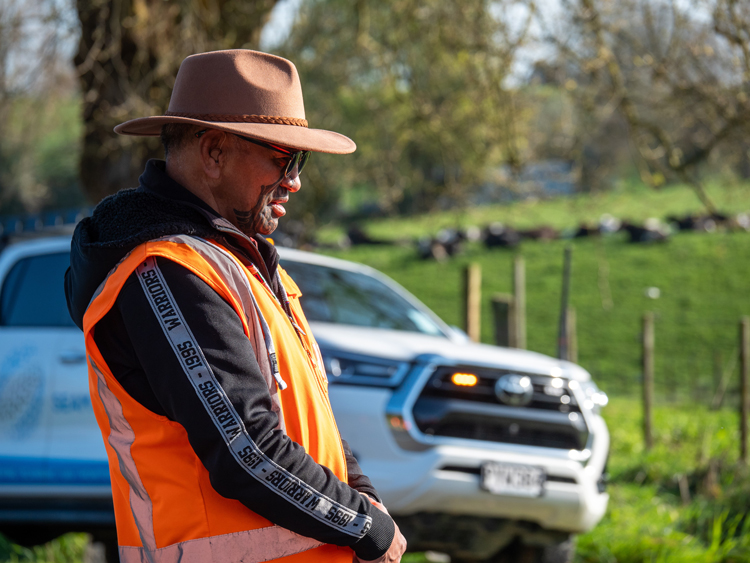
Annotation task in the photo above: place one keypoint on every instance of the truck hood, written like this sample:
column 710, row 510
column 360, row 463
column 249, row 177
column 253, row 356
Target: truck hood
column 406, row 346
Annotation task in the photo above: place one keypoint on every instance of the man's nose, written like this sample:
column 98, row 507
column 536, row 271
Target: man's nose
column 292, row 182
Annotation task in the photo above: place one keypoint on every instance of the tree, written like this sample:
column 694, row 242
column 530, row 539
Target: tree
column 128, row 57
column 420, row 85
column 33, row 35
column 676, row 73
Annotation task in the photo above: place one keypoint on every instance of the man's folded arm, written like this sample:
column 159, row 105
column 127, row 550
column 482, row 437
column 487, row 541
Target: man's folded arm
column 270, row 474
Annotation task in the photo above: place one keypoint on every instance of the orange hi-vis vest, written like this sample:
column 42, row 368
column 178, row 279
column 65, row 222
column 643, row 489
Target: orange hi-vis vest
column 165, row 507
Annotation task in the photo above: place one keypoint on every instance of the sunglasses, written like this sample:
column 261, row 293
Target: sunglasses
column 298, row 158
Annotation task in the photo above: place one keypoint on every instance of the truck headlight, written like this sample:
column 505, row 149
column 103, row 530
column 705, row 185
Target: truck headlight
column 362, row 370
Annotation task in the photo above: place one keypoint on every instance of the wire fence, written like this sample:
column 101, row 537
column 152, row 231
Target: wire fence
column 695, row 358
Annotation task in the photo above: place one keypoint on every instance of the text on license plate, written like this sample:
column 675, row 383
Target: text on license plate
column 513, row 479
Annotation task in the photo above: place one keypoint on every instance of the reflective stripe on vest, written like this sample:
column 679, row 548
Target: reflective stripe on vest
column 256, row 546
column 121, row 438
column 252, row 543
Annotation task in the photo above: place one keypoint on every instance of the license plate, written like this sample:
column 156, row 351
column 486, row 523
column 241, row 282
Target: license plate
column 513, row 479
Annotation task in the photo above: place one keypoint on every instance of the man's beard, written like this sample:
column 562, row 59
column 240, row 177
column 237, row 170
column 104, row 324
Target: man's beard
column 260, row 219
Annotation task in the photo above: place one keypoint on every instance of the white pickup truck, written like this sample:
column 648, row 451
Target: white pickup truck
column 479, row 452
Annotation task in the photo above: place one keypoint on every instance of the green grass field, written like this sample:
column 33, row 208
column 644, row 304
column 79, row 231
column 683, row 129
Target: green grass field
column 649, row 519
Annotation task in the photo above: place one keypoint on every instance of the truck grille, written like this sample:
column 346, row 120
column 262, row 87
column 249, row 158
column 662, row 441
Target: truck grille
column 548, row 416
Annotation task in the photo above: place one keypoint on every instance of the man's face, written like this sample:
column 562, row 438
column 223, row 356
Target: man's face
column 254, row 189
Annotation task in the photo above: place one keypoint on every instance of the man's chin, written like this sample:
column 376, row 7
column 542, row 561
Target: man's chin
column 265, row 230
column 269, row 227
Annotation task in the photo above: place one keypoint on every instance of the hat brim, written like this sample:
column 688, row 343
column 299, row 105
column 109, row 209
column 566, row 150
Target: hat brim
column 292, row 136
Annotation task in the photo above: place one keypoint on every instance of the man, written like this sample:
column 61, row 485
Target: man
column 206, row 382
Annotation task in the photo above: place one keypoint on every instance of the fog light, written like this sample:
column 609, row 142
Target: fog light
column 464, row 379
column 399, row 423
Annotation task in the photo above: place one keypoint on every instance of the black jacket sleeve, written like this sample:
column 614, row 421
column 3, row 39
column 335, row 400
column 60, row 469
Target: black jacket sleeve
column 357, row 480
column 137, row 351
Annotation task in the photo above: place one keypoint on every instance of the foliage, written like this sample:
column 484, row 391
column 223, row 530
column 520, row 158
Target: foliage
column 69, row 548
column 33, row 35
column 442, row 98
column 672, row 77
column 39, row 152
column 38, row 116
column 642, row 525
column 648, row 519
column 420, row 86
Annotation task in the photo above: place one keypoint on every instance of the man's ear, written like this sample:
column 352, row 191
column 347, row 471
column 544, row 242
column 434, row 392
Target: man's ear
column 211, row 156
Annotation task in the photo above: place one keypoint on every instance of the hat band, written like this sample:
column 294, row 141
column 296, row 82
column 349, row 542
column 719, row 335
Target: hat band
column 232, row 118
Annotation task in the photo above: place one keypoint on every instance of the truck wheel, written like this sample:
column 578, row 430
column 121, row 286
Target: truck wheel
column 517, row 552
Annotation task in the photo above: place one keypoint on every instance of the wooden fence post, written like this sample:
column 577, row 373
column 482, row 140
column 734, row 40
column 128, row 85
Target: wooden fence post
column 744, row 383
column 571, row 330
column 473, row 301
column 562, row 327
column 519, row 305
column 503, row 315
column 648, row 377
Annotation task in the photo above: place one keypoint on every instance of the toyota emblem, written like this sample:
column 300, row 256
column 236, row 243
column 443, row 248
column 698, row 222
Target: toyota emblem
column 514, row 390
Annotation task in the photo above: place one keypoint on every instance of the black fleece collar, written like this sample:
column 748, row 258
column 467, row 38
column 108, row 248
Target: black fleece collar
column 158, row 207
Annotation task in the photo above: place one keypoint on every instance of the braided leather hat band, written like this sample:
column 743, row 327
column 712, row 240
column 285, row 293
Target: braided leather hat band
column 229, row 118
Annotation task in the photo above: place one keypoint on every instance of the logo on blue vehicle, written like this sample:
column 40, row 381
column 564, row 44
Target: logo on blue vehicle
column 21, row 392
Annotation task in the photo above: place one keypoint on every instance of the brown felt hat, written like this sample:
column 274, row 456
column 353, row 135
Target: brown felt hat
column 245, row 92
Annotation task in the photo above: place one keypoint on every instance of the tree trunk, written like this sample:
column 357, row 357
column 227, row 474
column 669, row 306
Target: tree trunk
column 127, row 60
